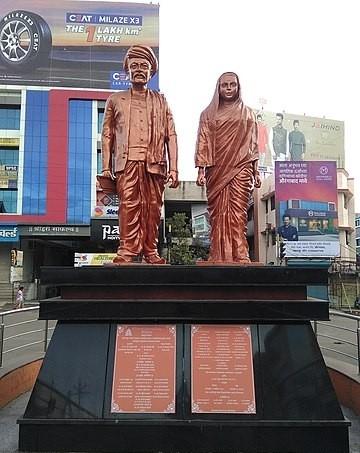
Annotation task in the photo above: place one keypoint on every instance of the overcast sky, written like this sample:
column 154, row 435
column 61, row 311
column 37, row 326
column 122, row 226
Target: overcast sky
column 301, row 56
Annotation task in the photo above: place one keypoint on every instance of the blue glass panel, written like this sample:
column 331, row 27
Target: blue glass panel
column 9, row 117
column 35, row 152
column 79, row 161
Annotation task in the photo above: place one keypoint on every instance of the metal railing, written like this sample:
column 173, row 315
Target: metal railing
column 340, row 337
column 22, row 331
column 23, row 334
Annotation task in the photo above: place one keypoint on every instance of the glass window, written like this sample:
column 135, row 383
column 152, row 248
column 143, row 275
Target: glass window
column 295, row 204
column 9, row 117
column 8, row 202
column 99, row 162
column 347, row 238
column 272, row 202
column 100, row 119
column 9, row 156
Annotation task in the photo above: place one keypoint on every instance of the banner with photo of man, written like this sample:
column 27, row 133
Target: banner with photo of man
column 306, row 208
column 289, row 137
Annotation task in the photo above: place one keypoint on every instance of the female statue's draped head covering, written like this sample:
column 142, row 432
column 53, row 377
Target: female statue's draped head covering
column 212, row 108
column 141, row 52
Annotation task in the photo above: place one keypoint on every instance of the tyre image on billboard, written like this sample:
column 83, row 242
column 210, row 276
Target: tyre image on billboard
column 73, row 44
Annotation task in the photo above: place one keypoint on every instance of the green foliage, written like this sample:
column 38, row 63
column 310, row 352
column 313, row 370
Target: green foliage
column 180, row 251
column 179, row 226
column 200, row 251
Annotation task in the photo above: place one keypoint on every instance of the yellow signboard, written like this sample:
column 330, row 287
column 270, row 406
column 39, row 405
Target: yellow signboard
column 6, row 141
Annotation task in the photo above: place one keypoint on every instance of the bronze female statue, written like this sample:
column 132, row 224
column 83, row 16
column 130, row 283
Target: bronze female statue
column 227, row 160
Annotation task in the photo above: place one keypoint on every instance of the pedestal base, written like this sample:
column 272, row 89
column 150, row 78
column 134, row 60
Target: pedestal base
column 296, row 407
column 292, row 407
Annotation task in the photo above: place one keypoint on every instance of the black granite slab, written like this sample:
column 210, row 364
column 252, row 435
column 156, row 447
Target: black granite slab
column 195, row 311
column 139, row 275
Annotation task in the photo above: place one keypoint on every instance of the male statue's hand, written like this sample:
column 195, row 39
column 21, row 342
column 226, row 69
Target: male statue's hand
column 173, row 179
column 107, row 174
column 257, row 181
column 201, row 180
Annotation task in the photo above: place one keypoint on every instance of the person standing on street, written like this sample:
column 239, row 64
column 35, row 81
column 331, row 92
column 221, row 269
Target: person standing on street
column 19, row 302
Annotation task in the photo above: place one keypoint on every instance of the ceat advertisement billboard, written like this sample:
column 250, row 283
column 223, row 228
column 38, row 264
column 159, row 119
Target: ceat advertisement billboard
column 79, row 44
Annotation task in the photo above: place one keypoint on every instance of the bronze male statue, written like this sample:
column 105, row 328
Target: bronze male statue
column 227, row 160
column 138, row 142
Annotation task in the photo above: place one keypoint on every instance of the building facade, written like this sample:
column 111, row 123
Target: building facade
column 49, row 156
column 357, row 235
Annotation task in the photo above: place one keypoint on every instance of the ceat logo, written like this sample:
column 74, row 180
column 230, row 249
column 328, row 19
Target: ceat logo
column 98, row 211
column 324, row 170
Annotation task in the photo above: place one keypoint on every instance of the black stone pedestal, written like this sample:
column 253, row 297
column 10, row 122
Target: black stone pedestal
column 296, row 407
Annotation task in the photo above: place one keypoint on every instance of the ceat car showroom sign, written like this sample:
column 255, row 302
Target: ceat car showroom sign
column 78, row 44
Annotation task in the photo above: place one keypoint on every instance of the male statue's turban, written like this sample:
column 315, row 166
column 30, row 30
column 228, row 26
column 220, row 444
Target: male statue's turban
column 141, row 52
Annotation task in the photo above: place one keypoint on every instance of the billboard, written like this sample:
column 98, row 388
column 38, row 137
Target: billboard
column 73, row 43
column 107, row 205
column 8, row 176
column 92, row 259
column 285, row 136
column 306, row 208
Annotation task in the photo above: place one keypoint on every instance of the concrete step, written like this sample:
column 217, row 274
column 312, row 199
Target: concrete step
column 6, row 293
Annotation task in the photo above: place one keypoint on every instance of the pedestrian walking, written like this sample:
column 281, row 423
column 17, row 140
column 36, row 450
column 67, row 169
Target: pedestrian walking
column 19, row 302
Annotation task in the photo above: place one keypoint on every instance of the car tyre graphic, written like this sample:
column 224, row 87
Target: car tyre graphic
column 25, row 41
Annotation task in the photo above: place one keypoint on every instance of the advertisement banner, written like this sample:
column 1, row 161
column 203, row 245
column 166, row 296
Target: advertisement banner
column 79, row 44
column 285, row 136
column 306, row 208
column 16, row 274
column 8, row 176
column 107, row 205
column 92, row 259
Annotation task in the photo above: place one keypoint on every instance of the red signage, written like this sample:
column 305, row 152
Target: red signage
column 222, row 375
column 144, row 369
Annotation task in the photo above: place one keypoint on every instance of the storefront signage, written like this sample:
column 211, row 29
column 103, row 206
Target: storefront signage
column 104, row 230
column 54, row 230
column 9, row 233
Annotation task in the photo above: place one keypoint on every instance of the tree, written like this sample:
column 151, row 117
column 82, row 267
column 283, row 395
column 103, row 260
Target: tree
column 179, row 240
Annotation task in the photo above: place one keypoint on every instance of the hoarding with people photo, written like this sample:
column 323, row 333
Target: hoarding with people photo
column 306, row 204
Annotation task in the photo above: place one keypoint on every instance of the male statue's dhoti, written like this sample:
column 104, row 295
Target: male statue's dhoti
column 139, row 150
